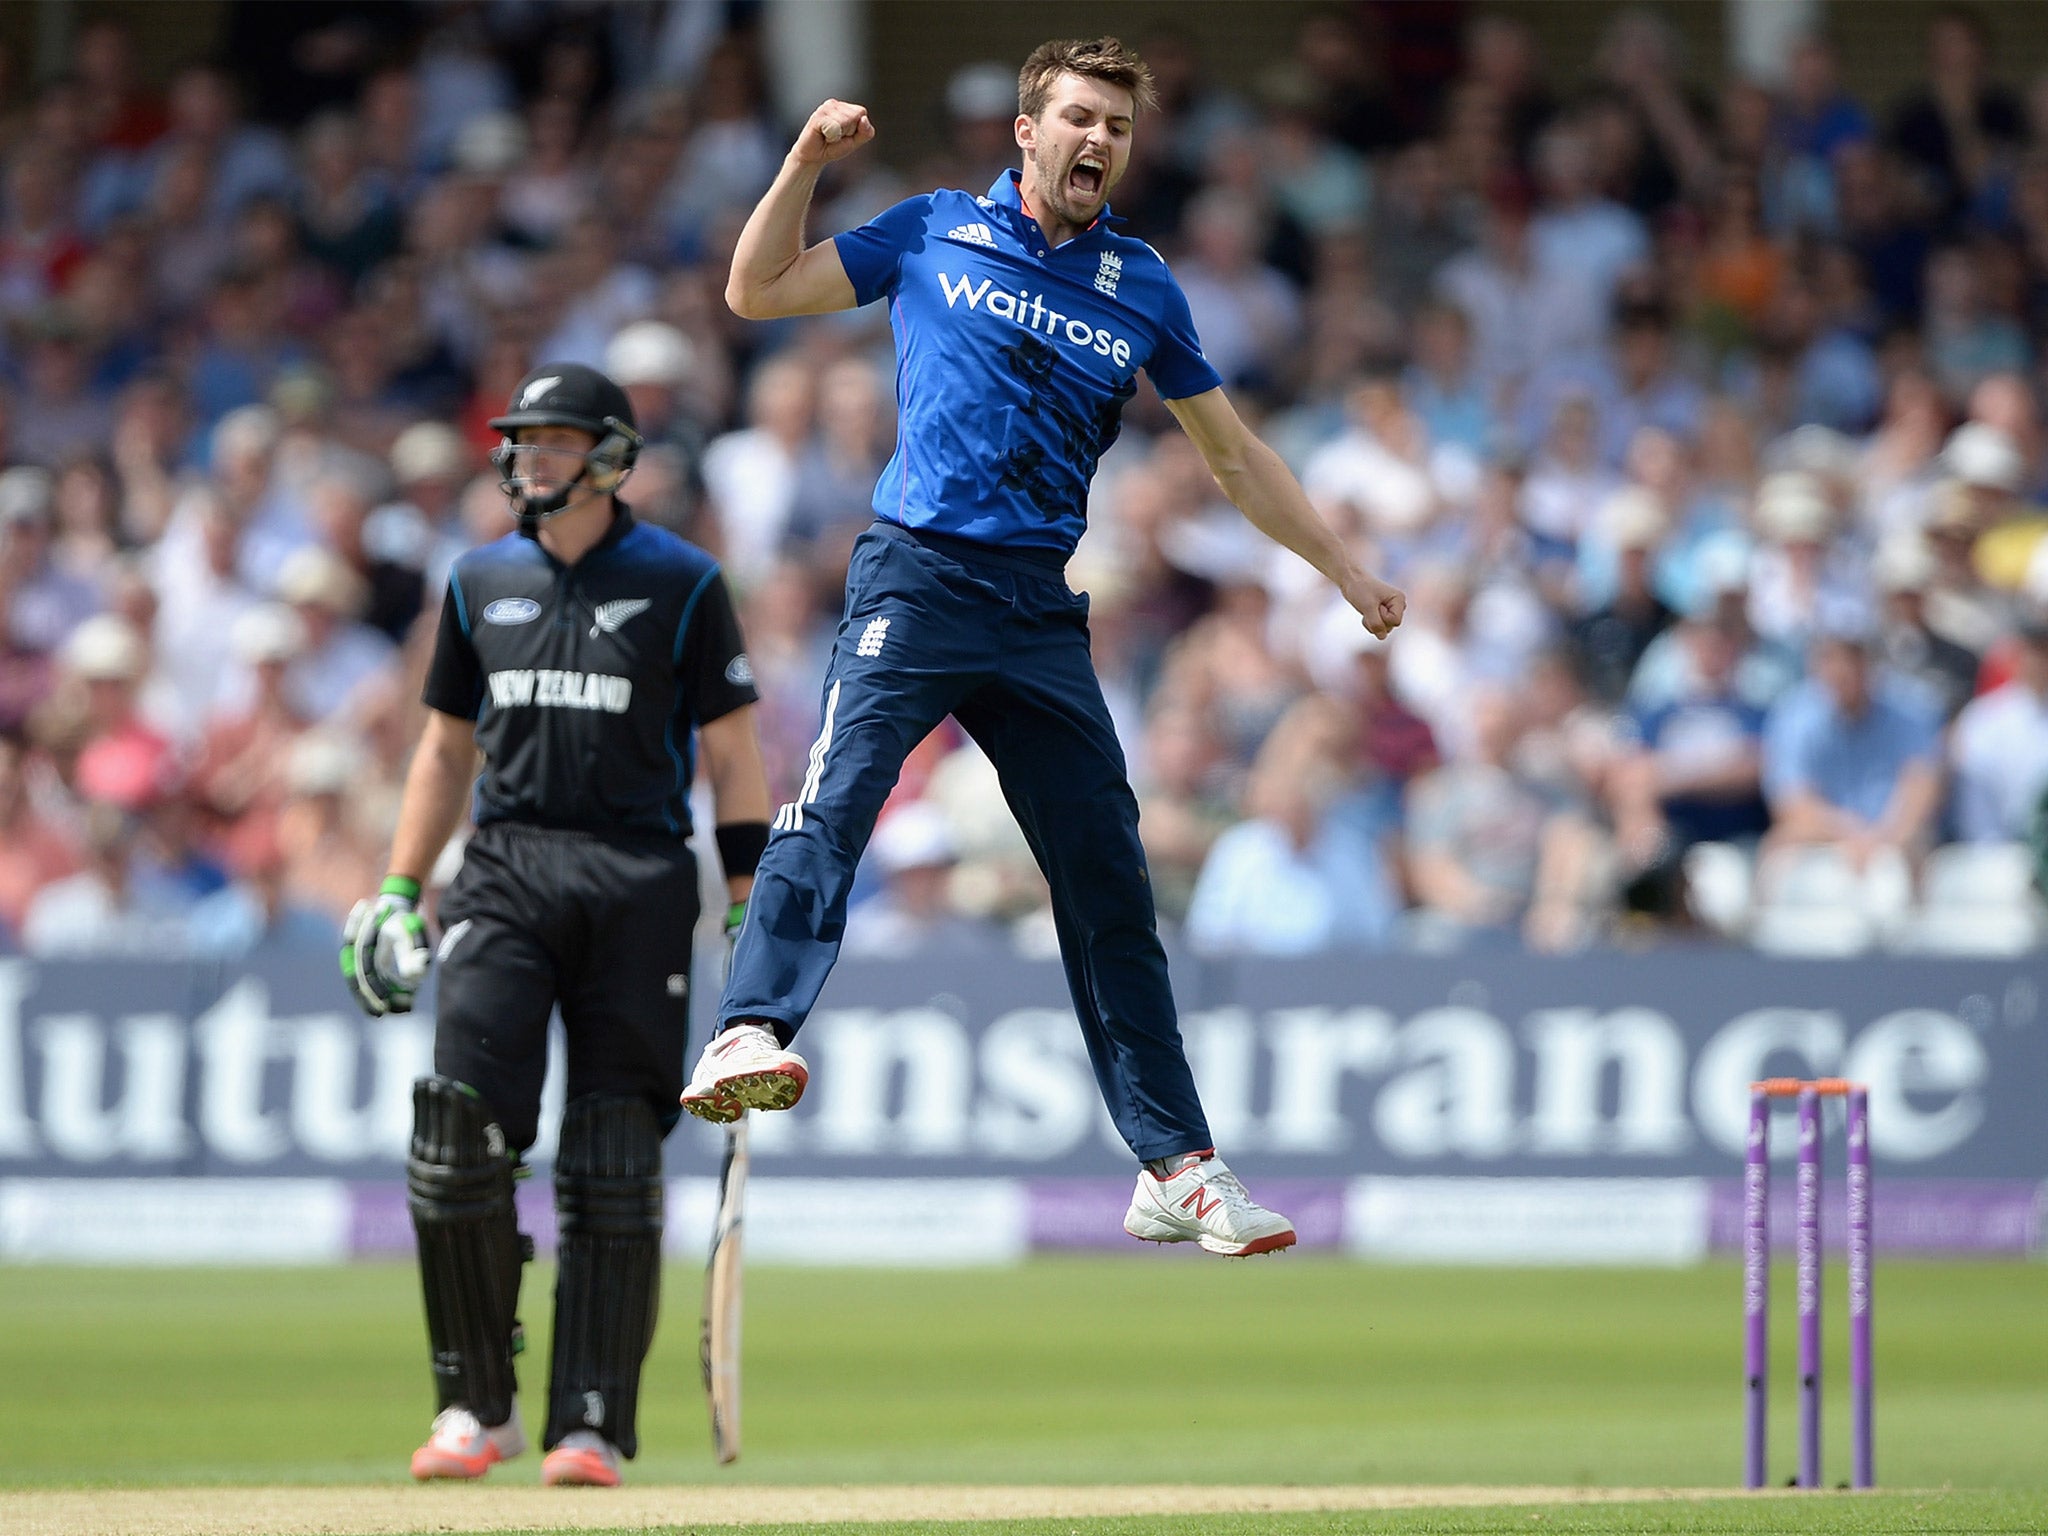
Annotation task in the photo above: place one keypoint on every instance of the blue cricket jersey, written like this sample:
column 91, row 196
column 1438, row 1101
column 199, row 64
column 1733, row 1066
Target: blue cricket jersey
column 1013, row 360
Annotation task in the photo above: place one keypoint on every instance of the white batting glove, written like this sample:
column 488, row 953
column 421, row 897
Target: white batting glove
column 384, row 950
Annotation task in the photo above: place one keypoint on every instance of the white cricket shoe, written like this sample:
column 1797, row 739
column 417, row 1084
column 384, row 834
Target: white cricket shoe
column 1203, row 1202
column 461, row 1446
column 584, row 1459
column 744, row 1067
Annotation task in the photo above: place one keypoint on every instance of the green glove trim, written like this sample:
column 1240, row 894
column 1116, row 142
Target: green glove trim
column 735, row 915
column 400, row 885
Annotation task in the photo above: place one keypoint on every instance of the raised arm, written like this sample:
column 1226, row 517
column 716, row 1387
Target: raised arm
column 773, row 274
column 1262, row 487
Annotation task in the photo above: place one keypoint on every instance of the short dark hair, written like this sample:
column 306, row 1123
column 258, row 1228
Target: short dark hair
column 1095, row 58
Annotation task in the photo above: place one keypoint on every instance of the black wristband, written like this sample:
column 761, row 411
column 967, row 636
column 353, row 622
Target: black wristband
column 740, row 844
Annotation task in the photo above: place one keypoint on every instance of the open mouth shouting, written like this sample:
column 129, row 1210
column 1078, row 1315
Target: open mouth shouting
column 1086, row 177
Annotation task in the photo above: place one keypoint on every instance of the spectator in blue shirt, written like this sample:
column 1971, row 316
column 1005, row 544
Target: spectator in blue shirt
column 1813, row 118
column 1847, row 763
column 1304, row 873
column 1694, row 774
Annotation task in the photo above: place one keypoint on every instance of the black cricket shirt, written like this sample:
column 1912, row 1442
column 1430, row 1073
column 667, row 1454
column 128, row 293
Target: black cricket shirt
column 587, row 681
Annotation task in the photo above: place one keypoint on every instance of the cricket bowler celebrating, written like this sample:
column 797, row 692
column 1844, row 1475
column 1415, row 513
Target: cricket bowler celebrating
column 1022, row 319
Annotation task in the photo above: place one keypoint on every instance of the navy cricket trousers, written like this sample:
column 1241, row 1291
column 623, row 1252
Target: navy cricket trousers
column 933, row 628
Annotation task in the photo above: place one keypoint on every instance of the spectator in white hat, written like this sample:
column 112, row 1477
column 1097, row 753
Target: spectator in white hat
column 42, row 602
column 108, row 660
column 915, row 851
column 419, row 529
column 240, row 766
column 342, row 653
column 655, row 364
column 1612, row 640
column 652, row 362
column 1989, row 465
column 329, row 854
column 245, row 473
column 1961, row 606
column 1765, row 669
column 981, row 107
column 1798, row 575
column 1903, row 570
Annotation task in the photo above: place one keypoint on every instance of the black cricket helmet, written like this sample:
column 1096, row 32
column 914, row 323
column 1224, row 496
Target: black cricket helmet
column 566, row 395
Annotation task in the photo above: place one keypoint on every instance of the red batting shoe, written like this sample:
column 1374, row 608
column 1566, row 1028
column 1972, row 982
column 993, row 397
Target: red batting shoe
column 1203, row 1202
column 584, row 1459
column 461, row 1447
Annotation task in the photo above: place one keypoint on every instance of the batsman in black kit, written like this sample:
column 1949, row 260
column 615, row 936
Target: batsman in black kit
column 589, row 657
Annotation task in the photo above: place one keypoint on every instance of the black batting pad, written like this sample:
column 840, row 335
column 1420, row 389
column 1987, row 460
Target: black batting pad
column 608, row 1195
column 459, row 1190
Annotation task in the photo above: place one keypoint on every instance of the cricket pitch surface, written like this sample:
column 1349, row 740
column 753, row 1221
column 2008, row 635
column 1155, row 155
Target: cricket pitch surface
column 389, row 1511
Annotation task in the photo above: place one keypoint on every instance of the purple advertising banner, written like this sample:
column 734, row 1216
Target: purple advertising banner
column 1914, row 1216
column 1907, row 1216
column 1487, row 1066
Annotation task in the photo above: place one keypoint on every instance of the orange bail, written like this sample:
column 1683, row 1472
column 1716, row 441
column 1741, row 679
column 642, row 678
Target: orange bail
column 1792, row 1087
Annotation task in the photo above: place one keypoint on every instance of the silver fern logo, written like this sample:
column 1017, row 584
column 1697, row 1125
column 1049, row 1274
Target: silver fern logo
column 611, row 616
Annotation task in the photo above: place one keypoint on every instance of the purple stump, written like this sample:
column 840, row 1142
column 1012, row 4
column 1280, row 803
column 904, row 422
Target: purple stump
column 1806, row 1248
column 1756, row 1282
column 1863, row 1474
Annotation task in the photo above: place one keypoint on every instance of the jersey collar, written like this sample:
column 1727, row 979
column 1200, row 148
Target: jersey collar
column 1008, row 192
column 622, row 524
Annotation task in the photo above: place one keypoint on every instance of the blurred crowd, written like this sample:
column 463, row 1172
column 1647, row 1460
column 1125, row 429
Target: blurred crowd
column 1702, row 424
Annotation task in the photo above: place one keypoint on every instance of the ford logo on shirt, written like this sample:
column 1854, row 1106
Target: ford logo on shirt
column 512, row 610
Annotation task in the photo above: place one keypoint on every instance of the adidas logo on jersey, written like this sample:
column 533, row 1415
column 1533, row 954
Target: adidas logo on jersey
column 611, row 615
column 973, row 234
column 872, row 637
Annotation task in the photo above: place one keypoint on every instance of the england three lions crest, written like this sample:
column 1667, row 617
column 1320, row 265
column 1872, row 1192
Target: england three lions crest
column 1106, row 275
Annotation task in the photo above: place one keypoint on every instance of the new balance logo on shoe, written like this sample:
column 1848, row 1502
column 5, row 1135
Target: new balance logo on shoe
column 872, row 637
column 973, row 234
column 1203, row 1202
column 610, row 616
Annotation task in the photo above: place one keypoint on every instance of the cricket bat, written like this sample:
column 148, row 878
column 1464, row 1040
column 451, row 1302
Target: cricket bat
column 718, row 1345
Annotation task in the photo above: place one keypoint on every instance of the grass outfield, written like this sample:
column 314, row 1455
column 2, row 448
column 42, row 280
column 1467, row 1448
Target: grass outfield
column 1149, row 1369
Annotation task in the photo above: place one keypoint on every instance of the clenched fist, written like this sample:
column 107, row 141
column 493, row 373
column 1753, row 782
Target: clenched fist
column 1380, row 607
column 835, row 131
